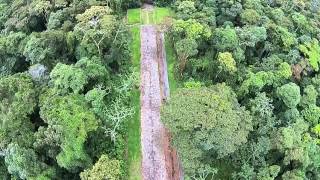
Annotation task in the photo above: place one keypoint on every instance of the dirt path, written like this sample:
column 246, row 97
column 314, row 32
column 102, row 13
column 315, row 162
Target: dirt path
column 152, row 130
column 159, row 160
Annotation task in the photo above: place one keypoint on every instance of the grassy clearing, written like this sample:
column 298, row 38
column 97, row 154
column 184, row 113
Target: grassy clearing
column 161, row 14
column 144, row 17
column 134, row 16
column 156, row 16
column 147, row 17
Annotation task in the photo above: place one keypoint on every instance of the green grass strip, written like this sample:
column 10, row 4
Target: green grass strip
column 161, row 14
column 171, row 61
column 134, row 145
column 133, row 140
column 135, row 46
column 134, row 16
column 144, row 17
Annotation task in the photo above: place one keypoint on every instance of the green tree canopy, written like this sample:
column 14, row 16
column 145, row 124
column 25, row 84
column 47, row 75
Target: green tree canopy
column 18, row 101
column 47, row 48
column 290, row 94
column 25, row 164
column 185, row 48
column 71, row 116
column 67, row 78
column 104, row 168
column 204, row 120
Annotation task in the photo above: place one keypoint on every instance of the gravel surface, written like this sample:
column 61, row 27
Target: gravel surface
column 152, row 130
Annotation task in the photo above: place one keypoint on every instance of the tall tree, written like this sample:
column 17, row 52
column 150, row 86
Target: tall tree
column 18, row 101
column 70, row 116
column 206, row 121
column 104, row 168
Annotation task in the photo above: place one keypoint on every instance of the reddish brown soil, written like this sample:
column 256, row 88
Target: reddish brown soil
column 174, row 169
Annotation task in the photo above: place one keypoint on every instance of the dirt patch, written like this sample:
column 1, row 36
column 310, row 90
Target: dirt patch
column 152, row 134
column 159, row 160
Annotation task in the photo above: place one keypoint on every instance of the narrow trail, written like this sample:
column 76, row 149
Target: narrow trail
column 159, row 160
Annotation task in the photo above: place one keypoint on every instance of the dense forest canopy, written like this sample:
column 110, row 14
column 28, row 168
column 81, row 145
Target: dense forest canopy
column 65, row 84
column 249, row 108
